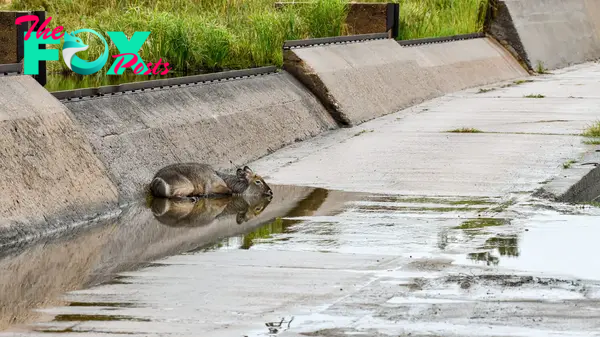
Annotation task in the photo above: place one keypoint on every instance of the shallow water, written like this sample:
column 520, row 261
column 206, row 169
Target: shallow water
column 140, row 276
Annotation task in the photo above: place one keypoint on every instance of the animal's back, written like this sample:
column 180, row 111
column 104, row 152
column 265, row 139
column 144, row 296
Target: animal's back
column 184, row 179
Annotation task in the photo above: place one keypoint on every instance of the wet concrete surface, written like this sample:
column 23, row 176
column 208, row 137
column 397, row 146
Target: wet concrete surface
column 453, row 244
column 342, row 262
column 524, row 142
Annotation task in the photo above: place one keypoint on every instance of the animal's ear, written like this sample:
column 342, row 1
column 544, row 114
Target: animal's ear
column 240, row 218
column 240, row 173
column 248, row 172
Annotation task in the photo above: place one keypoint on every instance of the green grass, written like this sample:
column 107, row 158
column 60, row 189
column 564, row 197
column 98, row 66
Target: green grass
column 594, row 141
column 569, row 163
column 363, row 131
column 592, row 131
column 200, row 36
column 517, row 82
column 465, row 130
column 437, row 18
column 540, row 68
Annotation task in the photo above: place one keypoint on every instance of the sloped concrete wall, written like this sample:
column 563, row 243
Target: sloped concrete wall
column 136, row 134
column 552, row 33
column 361, row 81
column 48, row 173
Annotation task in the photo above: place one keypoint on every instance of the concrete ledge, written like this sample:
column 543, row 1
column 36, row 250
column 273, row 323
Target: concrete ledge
column 135, row 134
column 50, row 177
column 554, row 33
column 579, row 184
column 360, row 81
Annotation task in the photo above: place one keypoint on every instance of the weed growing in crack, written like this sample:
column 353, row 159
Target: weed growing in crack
column 465, row 130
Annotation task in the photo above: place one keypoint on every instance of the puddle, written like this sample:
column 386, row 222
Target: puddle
column 558, row 244
column 151, row 268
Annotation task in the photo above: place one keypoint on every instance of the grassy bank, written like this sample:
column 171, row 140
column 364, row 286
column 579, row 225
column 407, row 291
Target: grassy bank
column 213, row 35
column 437, row 18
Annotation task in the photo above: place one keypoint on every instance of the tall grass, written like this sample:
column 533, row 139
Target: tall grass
column 196, row 35
column 437, row 18
column 212, row 35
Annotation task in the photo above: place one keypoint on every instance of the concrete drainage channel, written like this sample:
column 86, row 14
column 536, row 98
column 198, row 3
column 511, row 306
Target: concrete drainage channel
column 112, row 140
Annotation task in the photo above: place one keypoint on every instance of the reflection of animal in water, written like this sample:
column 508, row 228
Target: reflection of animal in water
column 190, row 180
column 188, row 213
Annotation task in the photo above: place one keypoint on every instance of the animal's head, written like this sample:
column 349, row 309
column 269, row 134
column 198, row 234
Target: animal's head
column 254, row 207
column 256, row 184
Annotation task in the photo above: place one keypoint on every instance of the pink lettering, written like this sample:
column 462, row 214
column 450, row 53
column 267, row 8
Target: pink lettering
column 128, row 64
column 147, row 72
column 167, row 69
column 57, row 30
column 27, row 18
column 156, row 65
column 42, row 30
column 138, row 69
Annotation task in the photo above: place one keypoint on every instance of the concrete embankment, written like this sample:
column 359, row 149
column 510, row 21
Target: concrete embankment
column 551, row 33
column 50, row 176
column 361, row 81
column 136, row 134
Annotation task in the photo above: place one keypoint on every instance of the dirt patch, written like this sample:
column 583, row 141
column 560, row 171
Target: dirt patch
column 430, row 264
column 366, row 18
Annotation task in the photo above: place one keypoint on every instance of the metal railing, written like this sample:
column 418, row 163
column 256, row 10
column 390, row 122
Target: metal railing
column 162, row 83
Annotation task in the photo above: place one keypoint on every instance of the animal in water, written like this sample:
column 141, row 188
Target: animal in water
column 192, row 180
column 186, row 213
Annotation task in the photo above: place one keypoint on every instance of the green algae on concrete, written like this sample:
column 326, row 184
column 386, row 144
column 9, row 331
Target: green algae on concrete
column 481, row 223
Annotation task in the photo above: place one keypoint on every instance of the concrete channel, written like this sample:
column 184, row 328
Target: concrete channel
column 419, row 190
column 469, row 252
